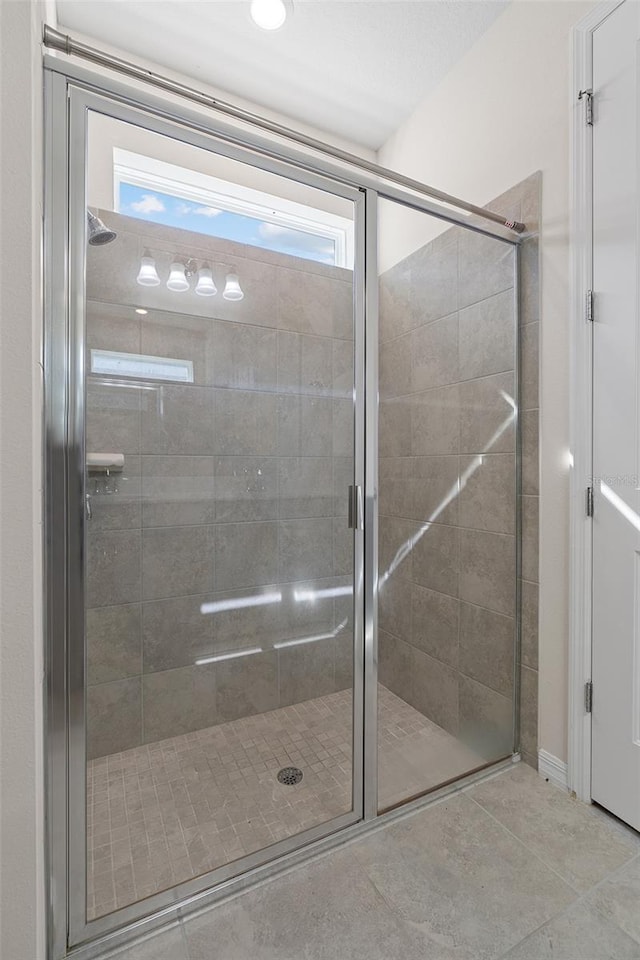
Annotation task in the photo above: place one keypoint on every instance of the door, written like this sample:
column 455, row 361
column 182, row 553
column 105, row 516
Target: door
column 616, row 423
column 215, row 649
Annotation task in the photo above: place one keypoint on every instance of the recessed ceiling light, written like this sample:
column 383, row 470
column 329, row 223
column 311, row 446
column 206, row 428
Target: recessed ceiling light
column 141, row 311
column 268, row 14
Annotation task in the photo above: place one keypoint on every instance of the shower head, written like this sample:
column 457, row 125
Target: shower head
column 97, row 232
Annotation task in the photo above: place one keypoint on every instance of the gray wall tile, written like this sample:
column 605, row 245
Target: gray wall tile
column 176, row 561
column 487, row 415
column 305, row 426
column 394, row 374
column 487, row 644
column 114, row 717
column 486, row 719
column 177, row 491
column 112, row 418
column 435, row 489
column 175, row 632
column 178, row 701
column 487, row 336
column 435, row 620
column 394, row 427
column 306, row 671
column 244, row 357
column 246, row 488
column 113, row 643
column 305, row 364
column 530, row 537
column 488, row 492
column 247, row 686
column 529, row 366
column 305, row 549
column 246, row 554
column 177, row 419
column 245, row 423
column 530, row 476
column 306, row 487
column 113, row 567
column 434, row 280
column 434, row 690
column 394, row 607
column 487, row 570
column 434, row 354
column 396, row 316
column 435, row 421
column 436, row 558
column 529, row 711
column 529, row 651
column 485, row 265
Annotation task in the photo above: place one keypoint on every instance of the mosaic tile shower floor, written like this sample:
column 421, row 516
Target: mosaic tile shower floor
column 165, row 812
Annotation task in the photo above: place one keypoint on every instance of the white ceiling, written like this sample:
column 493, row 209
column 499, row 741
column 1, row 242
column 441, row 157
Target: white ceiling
column 355, row 69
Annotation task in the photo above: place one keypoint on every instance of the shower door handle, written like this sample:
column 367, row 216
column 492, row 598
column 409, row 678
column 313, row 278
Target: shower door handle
column 356, row 512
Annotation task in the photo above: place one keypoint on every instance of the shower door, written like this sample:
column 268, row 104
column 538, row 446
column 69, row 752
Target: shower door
column 215, row 543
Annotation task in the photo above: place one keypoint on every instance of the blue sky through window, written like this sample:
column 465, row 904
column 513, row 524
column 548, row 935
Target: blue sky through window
column 173, row 211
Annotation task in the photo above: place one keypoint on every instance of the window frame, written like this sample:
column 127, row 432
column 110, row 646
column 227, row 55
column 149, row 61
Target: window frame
column 182, row 183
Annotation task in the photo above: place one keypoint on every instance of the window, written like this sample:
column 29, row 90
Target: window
column 164, row 193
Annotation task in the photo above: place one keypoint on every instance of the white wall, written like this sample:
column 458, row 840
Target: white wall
column 21, row 769
column 502, row 113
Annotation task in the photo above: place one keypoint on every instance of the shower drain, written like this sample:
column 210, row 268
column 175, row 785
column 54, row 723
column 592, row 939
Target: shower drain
column 290, row 776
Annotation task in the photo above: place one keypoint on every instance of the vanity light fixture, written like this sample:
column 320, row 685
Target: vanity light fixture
column 232, row 289
column 182, row 270
column 148, row 275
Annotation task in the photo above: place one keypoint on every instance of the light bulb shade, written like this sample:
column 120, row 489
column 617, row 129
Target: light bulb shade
column 148, row 275
column 205, row 286
column 268, row 14
column 232, row 289
column 177, row 280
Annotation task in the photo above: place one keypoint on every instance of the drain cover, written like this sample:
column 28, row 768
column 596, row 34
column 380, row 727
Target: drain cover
column 290, row 776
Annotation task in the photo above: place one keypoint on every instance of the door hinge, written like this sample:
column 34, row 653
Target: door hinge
column 589, row 501
column 589, row 305
column 587, row 96
column 588, row 696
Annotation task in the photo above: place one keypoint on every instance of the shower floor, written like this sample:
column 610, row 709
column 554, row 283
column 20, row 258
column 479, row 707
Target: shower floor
column 166, row 812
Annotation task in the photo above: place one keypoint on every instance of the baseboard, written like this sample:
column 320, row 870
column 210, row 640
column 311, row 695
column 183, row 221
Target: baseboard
column 553, row 770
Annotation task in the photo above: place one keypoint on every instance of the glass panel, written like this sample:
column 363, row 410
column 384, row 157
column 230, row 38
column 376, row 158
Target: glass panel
column 447, row 567
column 219, row 578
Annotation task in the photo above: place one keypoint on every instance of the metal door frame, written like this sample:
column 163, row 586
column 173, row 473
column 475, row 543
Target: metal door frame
column 70, row 92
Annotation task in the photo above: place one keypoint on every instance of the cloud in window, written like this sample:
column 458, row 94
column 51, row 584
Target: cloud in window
column 298, row 242
column 207, row 211
column 149, row 203
column 188, row 209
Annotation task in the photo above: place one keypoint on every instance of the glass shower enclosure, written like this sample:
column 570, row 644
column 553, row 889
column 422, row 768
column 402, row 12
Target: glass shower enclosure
column 282, row 487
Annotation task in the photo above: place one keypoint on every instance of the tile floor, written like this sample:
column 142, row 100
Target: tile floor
column 169, row 811
column 509, row 869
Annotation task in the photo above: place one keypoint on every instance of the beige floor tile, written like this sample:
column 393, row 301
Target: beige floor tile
column 567, row 835
column 618, row 898
column 580, row 933
column 461, row 880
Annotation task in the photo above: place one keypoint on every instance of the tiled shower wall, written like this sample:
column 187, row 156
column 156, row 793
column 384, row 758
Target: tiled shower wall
column 447, row 554
column 233, row 485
